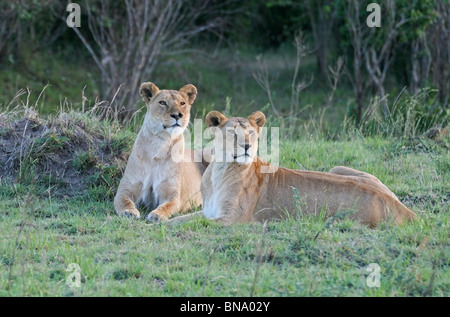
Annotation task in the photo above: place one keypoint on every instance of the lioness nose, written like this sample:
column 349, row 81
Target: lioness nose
column 246, row 146
column 177, row 116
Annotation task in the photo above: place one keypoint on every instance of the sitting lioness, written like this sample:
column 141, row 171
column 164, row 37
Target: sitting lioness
column 160, row 173
column 238, row 186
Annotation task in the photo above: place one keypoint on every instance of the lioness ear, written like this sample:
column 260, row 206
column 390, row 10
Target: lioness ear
column 215, row 118
column 258, row 118
column 191, row 91
column 148, row 91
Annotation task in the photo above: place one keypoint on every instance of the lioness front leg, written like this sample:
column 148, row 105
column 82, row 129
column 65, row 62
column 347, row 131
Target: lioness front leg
column 168, row 195
column 184, row 218
column 164, row 211
column 125, row 198
column 199, row 214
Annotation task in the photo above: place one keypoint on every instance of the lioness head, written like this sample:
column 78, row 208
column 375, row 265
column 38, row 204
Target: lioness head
column 235, row 139
column 168, row 110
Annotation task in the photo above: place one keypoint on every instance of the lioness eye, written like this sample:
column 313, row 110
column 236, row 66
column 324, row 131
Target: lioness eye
column 163, row 103
column 251, row 132
column 231, row 131
column 183, row 103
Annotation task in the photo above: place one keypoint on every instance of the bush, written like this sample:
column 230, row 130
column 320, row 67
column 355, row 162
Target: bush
column 409, row 116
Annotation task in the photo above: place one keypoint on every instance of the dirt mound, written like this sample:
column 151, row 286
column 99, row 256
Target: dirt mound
column 67, row 154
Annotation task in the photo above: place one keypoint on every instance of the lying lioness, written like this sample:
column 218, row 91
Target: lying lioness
column 238, row 186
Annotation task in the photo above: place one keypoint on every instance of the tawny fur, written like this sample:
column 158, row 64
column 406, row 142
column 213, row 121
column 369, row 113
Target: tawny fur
column 236, row 192
column 155, row 175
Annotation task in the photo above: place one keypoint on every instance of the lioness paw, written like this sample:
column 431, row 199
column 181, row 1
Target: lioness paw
column 154, row 217
column 130, row 214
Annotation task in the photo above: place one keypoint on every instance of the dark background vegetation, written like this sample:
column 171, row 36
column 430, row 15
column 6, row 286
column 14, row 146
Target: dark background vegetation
column 214, row 45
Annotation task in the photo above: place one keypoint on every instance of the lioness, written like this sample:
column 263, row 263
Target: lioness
column 160, row 172
column 238, row 186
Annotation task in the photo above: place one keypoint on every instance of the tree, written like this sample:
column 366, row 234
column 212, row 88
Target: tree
column 26, row 27
column 439, row 36
column 374, row 49
column 322, row 15
column 379, row 57
column 359, row 39
column 8, row 26
column 130, row 37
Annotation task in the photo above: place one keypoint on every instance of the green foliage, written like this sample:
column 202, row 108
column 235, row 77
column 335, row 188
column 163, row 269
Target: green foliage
column 105, row 181
column 409, row 116
column 302, row 256
column 84, row 160
column 306, row 256
column 122, row 143
column 48, row 144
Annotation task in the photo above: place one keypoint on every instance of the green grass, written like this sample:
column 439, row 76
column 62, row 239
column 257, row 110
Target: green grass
column 40, row 236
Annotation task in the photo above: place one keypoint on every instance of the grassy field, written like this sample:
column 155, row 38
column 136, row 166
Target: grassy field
column 45, row 226
column 59, row 171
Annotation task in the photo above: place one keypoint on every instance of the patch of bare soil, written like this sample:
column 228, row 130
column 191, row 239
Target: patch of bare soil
column 63, row 154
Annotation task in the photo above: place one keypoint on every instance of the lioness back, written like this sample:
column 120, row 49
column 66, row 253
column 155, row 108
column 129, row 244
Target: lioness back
column 327, row 194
